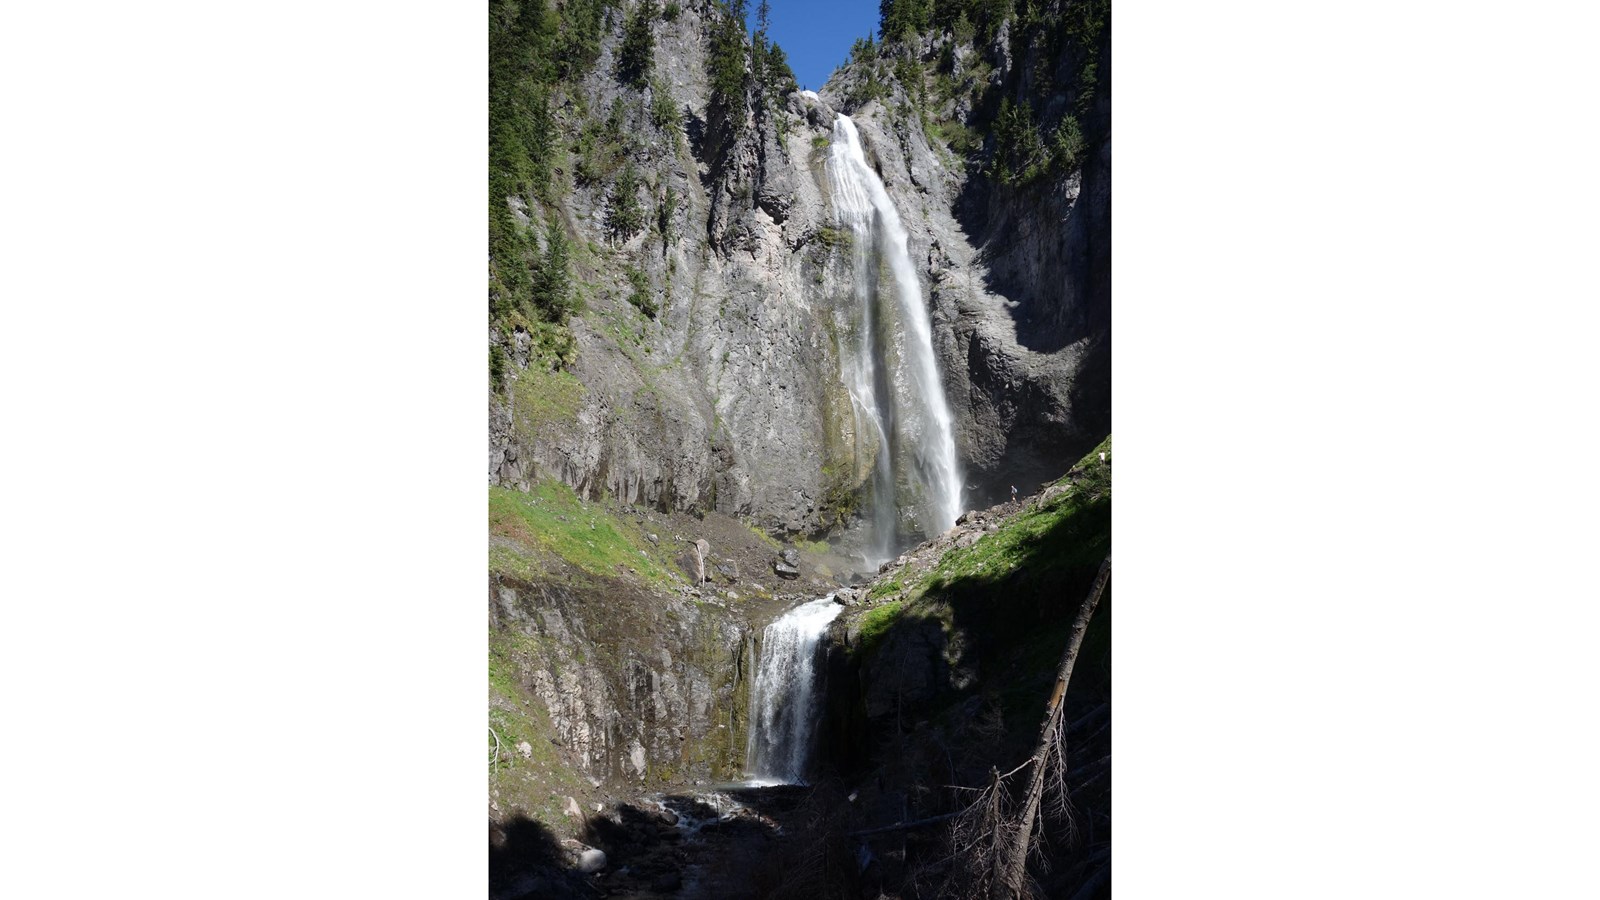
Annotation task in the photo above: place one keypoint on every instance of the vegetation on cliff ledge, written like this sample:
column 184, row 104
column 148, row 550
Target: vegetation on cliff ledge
column 553, row 519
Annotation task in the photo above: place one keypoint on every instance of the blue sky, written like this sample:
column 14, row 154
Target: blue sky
column 816, row 34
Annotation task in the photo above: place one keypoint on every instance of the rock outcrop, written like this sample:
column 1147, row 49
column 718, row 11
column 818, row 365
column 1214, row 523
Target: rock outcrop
column 647, row 689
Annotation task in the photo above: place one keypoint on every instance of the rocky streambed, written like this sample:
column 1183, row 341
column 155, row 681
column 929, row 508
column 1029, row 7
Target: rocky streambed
column 722, row 841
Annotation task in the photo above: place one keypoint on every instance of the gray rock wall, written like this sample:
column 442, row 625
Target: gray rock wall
column 645, row 689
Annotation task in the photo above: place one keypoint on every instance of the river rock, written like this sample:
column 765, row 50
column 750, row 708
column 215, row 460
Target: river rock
column 784, row 569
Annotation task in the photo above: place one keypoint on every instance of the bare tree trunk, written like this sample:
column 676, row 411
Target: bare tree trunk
column 1012, row 865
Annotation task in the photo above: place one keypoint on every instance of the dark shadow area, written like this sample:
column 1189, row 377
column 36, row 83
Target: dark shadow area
column 527, row 861
column 954, row 693
column 772, row 843
column 694, row 128
column 1063, row 287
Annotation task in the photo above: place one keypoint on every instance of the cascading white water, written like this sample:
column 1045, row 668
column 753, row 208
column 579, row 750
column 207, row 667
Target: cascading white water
column 894, row 379
column 781, row 713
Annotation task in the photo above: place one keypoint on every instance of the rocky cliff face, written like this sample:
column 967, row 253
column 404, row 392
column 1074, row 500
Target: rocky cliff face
column 622, row 645
column 650, row 696
column 731, row 398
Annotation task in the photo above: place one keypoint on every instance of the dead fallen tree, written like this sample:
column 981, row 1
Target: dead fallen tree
column 1049, row 759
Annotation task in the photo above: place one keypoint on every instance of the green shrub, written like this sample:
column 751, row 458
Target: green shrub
column 901, row 20
column 1019, row 154
column 638, row 46
column 624, row 218
column 1067, row 146
column 962, row 30
column 908, row 72
column 664, row 216
column 641, row 296
column 725, row 67
column 497, row 367
column 578, row 46
column 670, row 14
column 868, row 88
column 664, row 113
column 833, row 238
column 552, row 290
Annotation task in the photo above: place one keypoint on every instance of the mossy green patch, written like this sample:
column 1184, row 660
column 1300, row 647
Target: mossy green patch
column 1009, row 596
column 765, row 538
column 542, row 398
column 875, row 624
column 1069, row 531
column 505, row 560
column 586, row 534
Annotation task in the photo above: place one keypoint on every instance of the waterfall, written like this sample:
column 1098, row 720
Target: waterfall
column 893, row 378
column 781, row 705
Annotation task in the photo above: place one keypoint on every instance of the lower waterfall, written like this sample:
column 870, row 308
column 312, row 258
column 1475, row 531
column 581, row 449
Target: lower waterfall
column 783, row 703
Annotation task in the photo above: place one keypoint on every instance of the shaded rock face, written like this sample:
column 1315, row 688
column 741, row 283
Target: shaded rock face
column 732, row 398
column 646, row 688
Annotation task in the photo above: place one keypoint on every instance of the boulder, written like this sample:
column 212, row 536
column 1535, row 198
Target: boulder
column 791, row 556
column 584, row 858
column 1052, row 492
column 591, row 860
column 784, row 569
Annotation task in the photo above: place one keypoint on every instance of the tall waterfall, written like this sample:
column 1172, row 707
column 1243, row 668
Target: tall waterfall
column 781, row 706
column 894, row 378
